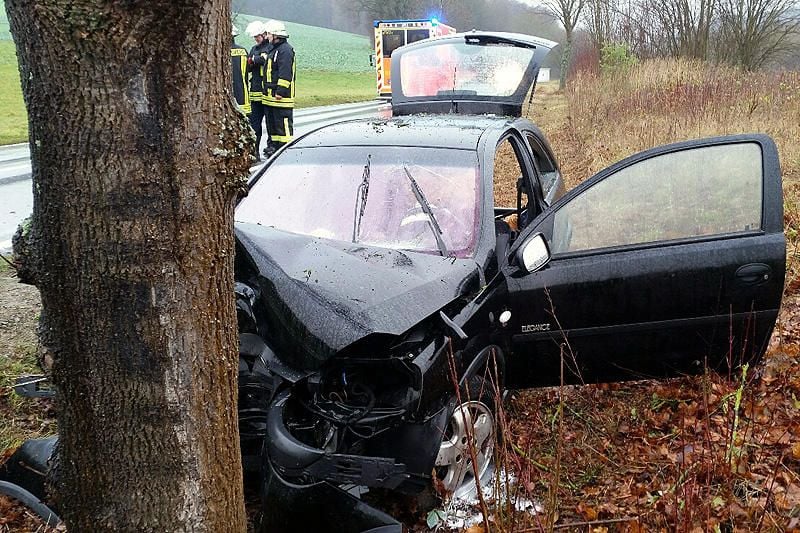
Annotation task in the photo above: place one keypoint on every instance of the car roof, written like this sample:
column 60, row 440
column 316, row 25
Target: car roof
column 429, row 131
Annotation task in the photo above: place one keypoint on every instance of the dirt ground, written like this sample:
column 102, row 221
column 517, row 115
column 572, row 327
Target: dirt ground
column 21, row 419
column 19, row 313
column 20, row 307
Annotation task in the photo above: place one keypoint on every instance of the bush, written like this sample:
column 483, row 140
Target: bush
column 614, row 57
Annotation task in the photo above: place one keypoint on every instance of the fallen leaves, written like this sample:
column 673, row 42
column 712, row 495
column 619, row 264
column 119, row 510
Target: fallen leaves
column 678, row 455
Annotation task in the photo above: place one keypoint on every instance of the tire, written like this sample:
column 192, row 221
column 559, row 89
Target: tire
column 472, row 422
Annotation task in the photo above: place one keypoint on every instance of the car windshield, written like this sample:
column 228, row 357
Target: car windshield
column 393, row 197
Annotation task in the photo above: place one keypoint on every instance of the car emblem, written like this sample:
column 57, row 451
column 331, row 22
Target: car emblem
column 530, row 328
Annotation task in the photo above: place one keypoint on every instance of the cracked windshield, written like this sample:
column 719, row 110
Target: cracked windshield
column 405, row 198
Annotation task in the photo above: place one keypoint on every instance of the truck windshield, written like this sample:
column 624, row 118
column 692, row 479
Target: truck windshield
column 363, row 194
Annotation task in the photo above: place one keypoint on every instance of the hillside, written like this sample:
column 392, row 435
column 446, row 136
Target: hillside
column 316, row 48
column 320, row 48
column 5, row 35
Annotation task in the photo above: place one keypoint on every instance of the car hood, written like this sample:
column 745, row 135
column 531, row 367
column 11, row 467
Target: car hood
column 320, row 296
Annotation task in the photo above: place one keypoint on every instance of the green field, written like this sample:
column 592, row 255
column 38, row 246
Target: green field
column 332, row 67
column 319, row 48
column 13, row 120
column 316, row 87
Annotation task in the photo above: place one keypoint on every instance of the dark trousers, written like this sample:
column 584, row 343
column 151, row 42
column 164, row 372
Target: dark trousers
column 257, row 113
column 280, row 125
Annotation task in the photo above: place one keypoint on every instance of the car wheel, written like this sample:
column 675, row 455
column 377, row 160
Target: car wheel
column 468, row 440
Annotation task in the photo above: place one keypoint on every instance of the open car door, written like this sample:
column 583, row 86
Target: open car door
column 666, row 263
column 468, row 73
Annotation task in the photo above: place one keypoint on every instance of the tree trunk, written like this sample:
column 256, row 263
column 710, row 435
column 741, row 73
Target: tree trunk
column 566, row 60
column 137, row 153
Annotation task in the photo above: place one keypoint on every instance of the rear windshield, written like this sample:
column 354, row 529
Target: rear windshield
column 462, row 68
column 365, row 195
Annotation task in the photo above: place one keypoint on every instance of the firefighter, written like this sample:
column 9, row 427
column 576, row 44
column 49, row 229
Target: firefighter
column 241, row 92
column 256, row 65
column 279, row 80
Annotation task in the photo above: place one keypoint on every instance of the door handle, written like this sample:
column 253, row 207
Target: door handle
column 753, row 274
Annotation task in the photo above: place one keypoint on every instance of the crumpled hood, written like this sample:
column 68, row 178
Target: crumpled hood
column 321, row 296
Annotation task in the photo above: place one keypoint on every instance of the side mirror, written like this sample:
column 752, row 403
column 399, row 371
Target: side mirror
column 533, row 254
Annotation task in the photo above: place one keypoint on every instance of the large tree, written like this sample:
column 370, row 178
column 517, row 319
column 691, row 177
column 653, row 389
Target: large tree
column 568, row 13
column 137, row 153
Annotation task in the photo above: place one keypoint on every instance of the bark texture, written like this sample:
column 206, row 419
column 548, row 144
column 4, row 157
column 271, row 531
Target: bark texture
column 138, row 153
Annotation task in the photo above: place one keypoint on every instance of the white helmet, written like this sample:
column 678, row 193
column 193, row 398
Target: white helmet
column 255, row 28
column 234, row 30
column 276, row 28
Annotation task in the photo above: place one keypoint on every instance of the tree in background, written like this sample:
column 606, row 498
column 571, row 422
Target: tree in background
column 755, row 32
column 568, row 13
column 685, row 26
column 749, row 33
column 600, row 18
column 137, row 155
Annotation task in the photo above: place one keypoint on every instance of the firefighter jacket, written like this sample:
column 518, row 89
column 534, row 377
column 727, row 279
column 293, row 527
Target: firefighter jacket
column 241, row 92
column 280, row 75
column 256, row 66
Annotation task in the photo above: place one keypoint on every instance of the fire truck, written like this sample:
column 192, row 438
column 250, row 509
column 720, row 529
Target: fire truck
column 392, row 34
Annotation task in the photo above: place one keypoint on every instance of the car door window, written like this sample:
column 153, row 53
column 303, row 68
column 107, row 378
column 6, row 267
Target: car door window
column 548, row 172
column 691, row 193
column 507, row 170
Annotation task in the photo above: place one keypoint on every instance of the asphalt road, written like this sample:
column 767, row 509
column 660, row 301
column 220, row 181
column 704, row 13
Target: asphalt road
column 16, row 195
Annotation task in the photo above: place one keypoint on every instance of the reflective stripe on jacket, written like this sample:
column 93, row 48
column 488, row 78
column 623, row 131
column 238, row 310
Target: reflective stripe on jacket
column 256, row 67
column 280, row 76
column 241, row 92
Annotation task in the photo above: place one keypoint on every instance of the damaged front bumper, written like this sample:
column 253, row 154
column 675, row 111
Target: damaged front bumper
column 296, row 460
column 320, row 506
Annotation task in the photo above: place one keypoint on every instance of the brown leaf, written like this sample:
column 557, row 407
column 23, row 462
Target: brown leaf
column 587, row 512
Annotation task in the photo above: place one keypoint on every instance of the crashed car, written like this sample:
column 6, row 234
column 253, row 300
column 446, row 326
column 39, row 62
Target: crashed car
column 387, row 296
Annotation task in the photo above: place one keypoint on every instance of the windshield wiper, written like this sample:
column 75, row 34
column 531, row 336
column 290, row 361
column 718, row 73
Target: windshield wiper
column 361, row 200
column 426, row 208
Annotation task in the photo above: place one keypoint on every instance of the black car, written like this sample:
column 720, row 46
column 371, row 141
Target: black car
column 380, row 283
column 385, row 300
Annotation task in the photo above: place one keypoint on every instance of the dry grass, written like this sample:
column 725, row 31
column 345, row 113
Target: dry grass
column 602, row 119
column 659, row 102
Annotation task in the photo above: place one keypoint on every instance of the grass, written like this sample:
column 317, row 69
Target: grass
column 319, row 49
column 21, row 418
column 659, row 102
column 13, row 119
column 315, row 88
